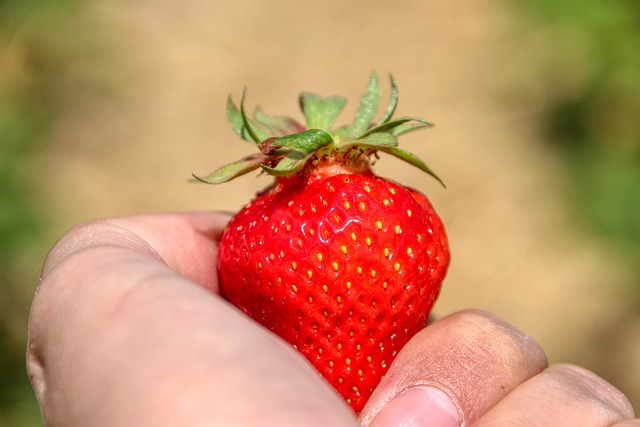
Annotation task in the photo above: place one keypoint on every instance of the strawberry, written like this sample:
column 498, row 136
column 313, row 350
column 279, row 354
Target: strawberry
column 342, row 264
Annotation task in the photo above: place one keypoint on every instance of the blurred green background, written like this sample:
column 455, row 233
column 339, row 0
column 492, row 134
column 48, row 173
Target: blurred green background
column 106, row 109
column 32, row 50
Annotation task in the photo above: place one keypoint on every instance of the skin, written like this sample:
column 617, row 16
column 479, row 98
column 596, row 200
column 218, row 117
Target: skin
column 127, row 328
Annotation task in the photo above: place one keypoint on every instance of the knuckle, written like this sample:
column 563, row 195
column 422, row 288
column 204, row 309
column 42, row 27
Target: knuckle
column 590, row 390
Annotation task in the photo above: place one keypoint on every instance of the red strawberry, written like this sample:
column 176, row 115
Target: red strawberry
column 342, row 264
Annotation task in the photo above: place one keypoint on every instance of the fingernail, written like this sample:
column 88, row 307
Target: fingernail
column 419, row 406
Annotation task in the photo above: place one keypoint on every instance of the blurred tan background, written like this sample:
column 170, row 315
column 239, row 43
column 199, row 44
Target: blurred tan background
column 107, row 107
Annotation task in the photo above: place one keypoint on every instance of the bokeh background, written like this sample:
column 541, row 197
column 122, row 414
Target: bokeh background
column 107, row 107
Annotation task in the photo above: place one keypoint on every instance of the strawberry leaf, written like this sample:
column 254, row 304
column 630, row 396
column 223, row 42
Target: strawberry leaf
column 256, row 134
column 278, row 125
column 409, row 127
column 380, row 139
column 393, row 102
column 286, row 145
column 388, row 126
column 306, row 141
column 242, row 125
column 367, row 108
column 289, row 164
column 320, row 113
column 245, row 120
column 233, row 170
column 375, row 140
column 235, row 120
column 412, row 159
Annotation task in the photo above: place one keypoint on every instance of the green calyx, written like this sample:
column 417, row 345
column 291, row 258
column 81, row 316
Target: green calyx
column 286, row 146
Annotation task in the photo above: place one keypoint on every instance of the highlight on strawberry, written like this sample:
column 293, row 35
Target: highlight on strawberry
column 341, row 263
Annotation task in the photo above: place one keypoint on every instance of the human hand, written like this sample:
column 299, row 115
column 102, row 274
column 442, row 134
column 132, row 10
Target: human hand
column 127, row 328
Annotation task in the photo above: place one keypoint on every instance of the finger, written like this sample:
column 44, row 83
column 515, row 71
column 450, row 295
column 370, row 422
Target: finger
column 118, row 338
column 561, row 395
column 186, row 242
column 454, row 371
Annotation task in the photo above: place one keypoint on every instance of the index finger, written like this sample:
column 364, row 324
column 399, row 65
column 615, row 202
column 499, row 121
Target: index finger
column 186, row 242
column 125, row 331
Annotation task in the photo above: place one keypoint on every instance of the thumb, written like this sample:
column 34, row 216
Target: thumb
column 453, row 371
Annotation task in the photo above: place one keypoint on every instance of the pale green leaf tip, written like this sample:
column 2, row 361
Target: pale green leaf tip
column 207, row 180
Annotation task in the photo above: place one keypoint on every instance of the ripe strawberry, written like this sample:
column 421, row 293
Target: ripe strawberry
column 342, row 264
